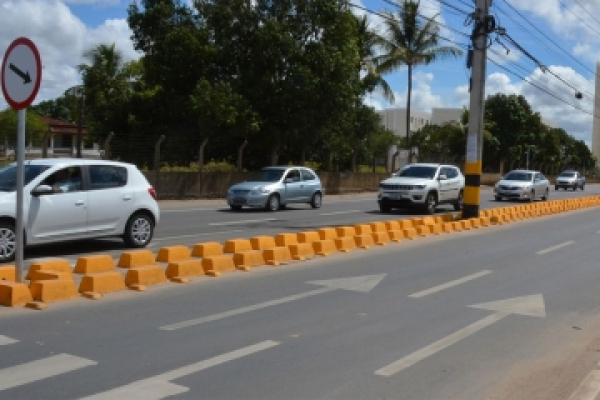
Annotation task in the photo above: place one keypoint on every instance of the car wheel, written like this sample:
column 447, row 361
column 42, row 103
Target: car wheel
column 458, row 204
column 384, row 208
column 282, row 206
column 273, row 203
column 498, row 198
column 316, row 200
column 532, row 196
column 8, row 242
column 235, row 208
column 545, row 196
column 582, row 187
column 430, row 203
column 556, row 187
column 139, row 230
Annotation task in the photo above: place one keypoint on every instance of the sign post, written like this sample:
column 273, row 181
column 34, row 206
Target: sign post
column 21, row 76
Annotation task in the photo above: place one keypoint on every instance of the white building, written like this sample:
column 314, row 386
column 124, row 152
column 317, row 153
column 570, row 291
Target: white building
column 394, row 119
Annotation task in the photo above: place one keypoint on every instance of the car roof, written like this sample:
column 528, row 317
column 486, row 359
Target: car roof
column 285, row 167
column 71, row 161
column 525, row 170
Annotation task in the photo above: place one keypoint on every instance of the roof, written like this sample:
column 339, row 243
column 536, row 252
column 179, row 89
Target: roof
column 61, row 127
column 71, row 161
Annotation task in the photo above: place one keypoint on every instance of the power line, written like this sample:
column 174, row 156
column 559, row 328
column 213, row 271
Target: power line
column 587, row 12
column 578, row 17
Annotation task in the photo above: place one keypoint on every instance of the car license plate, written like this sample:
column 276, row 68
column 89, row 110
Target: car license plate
column 397, row 195
column 239, row 200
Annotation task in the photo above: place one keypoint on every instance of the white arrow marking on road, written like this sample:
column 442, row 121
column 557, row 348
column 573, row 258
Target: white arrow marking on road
column 158, row 387
column 527, row 305
column 6, row 340
column 359, row 284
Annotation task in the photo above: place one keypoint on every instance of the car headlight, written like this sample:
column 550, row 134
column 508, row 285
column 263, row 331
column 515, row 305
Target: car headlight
column 260, row 190
column 420, row 186
column 525, row 187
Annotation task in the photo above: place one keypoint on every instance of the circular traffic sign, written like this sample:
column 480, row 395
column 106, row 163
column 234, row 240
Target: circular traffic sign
column 21, row 73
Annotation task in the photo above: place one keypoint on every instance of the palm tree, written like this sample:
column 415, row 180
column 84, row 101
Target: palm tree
column 411, row 41
column 369, row 42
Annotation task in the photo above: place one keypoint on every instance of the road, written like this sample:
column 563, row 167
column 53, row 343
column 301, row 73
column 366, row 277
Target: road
column 191, row 222
column 506, row 312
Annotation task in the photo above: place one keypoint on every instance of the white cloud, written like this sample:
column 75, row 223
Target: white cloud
column 61, row 39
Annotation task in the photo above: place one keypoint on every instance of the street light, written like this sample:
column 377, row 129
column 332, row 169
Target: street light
column 79, row 93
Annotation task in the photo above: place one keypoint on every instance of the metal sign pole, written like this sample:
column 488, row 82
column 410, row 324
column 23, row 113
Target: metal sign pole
column 20, row 180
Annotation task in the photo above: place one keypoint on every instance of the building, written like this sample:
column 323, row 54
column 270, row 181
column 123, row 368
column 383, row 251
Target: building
column 394, row 119
column 596, row 131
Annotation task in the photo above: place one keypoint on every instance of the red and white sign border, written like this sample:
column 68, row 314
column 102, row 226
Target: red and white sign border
column 38, row 76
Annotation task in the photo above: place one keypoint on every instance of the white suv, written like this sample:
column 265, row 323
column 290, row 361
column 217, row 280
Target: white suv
column 72, row 199
column 424, row 186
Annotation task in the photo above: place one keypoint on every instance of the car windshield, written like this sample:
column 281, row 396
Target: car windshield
column 518, row 176
column 8, row 175
column 567, row 174
column 418, row 171
column 268, row 175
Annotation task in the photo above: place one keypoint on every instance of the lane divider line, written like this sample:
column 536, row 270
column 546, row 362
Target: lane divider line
column 248, row 221
column 4, row 340
column 450, row 284
column 589, row 388
column 341, row 212
column 553, row 248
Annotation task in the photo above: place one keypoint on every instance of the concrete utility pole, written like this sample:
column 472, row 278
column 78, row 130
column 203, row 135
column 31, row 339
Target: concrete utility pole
column 483, row 24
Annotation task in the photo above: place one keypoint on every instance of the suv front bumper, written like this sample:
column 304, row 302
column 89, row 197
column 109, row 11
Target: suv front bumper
column 402, row 199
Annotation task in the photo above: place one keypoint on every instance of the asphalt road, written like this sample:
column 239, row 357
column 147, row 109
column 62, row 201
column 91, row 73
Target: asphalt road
column 191, row 222
column 505, row 312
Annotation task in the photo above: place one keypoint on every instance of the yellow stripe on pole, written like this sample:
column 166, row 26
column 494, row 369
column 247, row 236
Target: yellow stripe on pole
column 473, row 168
column 471, row 195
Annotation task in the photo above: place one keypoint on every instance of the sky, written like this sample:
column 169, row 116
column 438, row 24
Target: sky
column 562, row 35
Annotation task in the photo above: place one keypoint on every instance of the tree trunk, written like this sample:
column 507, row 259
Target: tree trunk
column 275, row 154
column 330, row 161
column 354, row 157
column 241, row 155
column 408, row 95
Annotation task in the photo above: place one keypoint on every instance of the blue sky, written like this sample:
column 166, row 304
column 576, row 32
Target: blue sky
column 64, row 29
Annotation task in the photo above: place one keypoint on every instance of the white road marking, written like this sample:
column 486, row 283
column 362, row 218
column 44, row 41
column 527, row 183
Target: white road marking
column 193, row 209
column 248, row 221
column 4, row 340
column 362, row 284
column 558, row 246
column 342, row 212
column 527, row 305
column 589, row 388
column 41, row 369
column 158, row 387
column 197, row 234
column 450, row 284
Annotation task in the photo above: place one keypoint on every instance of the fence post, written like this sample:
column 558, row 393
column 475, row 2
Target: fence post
column 47, row 136
column 201, row 165
column 107, row 146
column 240, row 155
column 157, row 161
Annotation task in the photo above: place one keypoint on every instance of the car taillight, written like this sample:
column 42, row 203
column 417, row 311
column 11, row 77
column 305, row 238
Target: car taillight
column 152, row 193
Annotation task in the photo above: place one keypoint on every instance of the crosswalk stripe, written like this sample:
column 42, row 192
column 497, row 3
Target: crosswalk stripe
column 4, row 340
column 41, row 369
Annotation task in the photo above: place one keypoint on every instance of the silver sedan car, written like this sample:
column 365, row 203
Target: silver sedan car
column 522, row 185
column 275, row 187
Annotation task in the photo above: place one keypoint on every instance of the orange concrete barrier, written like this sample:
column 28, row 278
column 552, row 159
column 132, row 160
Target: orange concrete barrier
column 140, row 277
column 345, row 243
column 308, row 237
column 262, row 242
column 363, row 229
column 136, row 258
column 286, row 239
column 345, row 231
column 53, row 290
column 325, row 247
column 248, row 259
column 216, row 265
column 447, row 227
column 277, row 255
column 302, row 251
column 13, row 294
column 237, row 245
column 327, row 233
column 46, row 275
column 381, row 238
column 94, row 264
column 173, row 253
column 392, row 225
column 396, row 235
column 58, row 265
column 364, row 241
column 475, row 223
column 466, row 224
column 436, row 229
column 8, row 273
column 207, row 249
column 181, row 271
column 101, row 283
column 378, row 227
column 424, row 230
column 457, row 225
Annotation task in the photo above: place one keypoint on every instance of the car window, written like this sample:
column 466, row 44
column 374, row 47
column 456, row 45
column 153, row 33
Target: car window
column 307, row 175
column 518, row 176
column 107, row 176
column 8, row 175
column 294, row 175
column 268, row 175
column 417, row 171
column 451, row 173
column 65, row 180
column 567, row 174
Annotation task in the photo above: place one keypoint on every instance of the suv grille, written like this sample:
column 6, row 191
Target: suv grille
column 396, row 187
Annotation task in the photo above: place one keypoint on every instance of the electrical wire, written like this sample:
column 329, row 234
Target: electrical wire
column 579, row 18
column 587, row 12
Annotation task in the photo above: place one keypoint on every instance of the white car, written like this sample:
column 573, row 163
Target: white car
column 522, row 185
column 422, row 185
column 74, row 199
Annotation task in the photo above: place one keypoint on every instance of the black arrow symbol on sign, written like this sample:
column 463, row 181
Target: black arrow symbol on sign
column 25, row 76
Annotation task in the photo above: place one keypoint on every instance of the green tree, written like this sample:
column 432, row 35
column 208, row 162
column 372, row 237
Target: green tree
column 34, row 128
column 411, row 41
column 59, row 108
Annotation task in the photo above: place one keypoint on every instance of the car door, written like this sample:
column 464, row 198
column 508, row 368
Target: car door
column 294, row 186
column 61, row 214
column 454, row 184
column 541, row 184
column 111, row 199
column 310, row 182
column 444, row 185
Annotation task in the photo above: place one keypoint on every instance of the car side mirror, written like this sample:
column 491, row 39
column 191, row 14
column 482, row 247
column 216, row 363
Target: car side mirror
column 42, row 190
column 442, row 177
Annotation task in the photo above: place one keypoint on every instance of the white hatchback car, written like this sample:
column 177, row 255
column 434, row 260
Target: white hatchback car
column 74, row 199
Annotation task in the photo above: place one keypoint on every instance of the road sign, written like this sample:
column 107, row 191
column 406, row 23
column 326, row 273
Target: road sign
column 21, row 73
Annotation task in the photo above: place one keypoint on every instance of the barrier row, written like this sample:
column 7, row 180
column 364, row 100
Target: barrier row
column 54, row 280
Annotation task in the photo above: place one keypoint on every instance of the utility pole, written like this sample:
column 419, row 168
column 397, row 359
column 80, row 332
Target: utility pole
column 483, row 25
